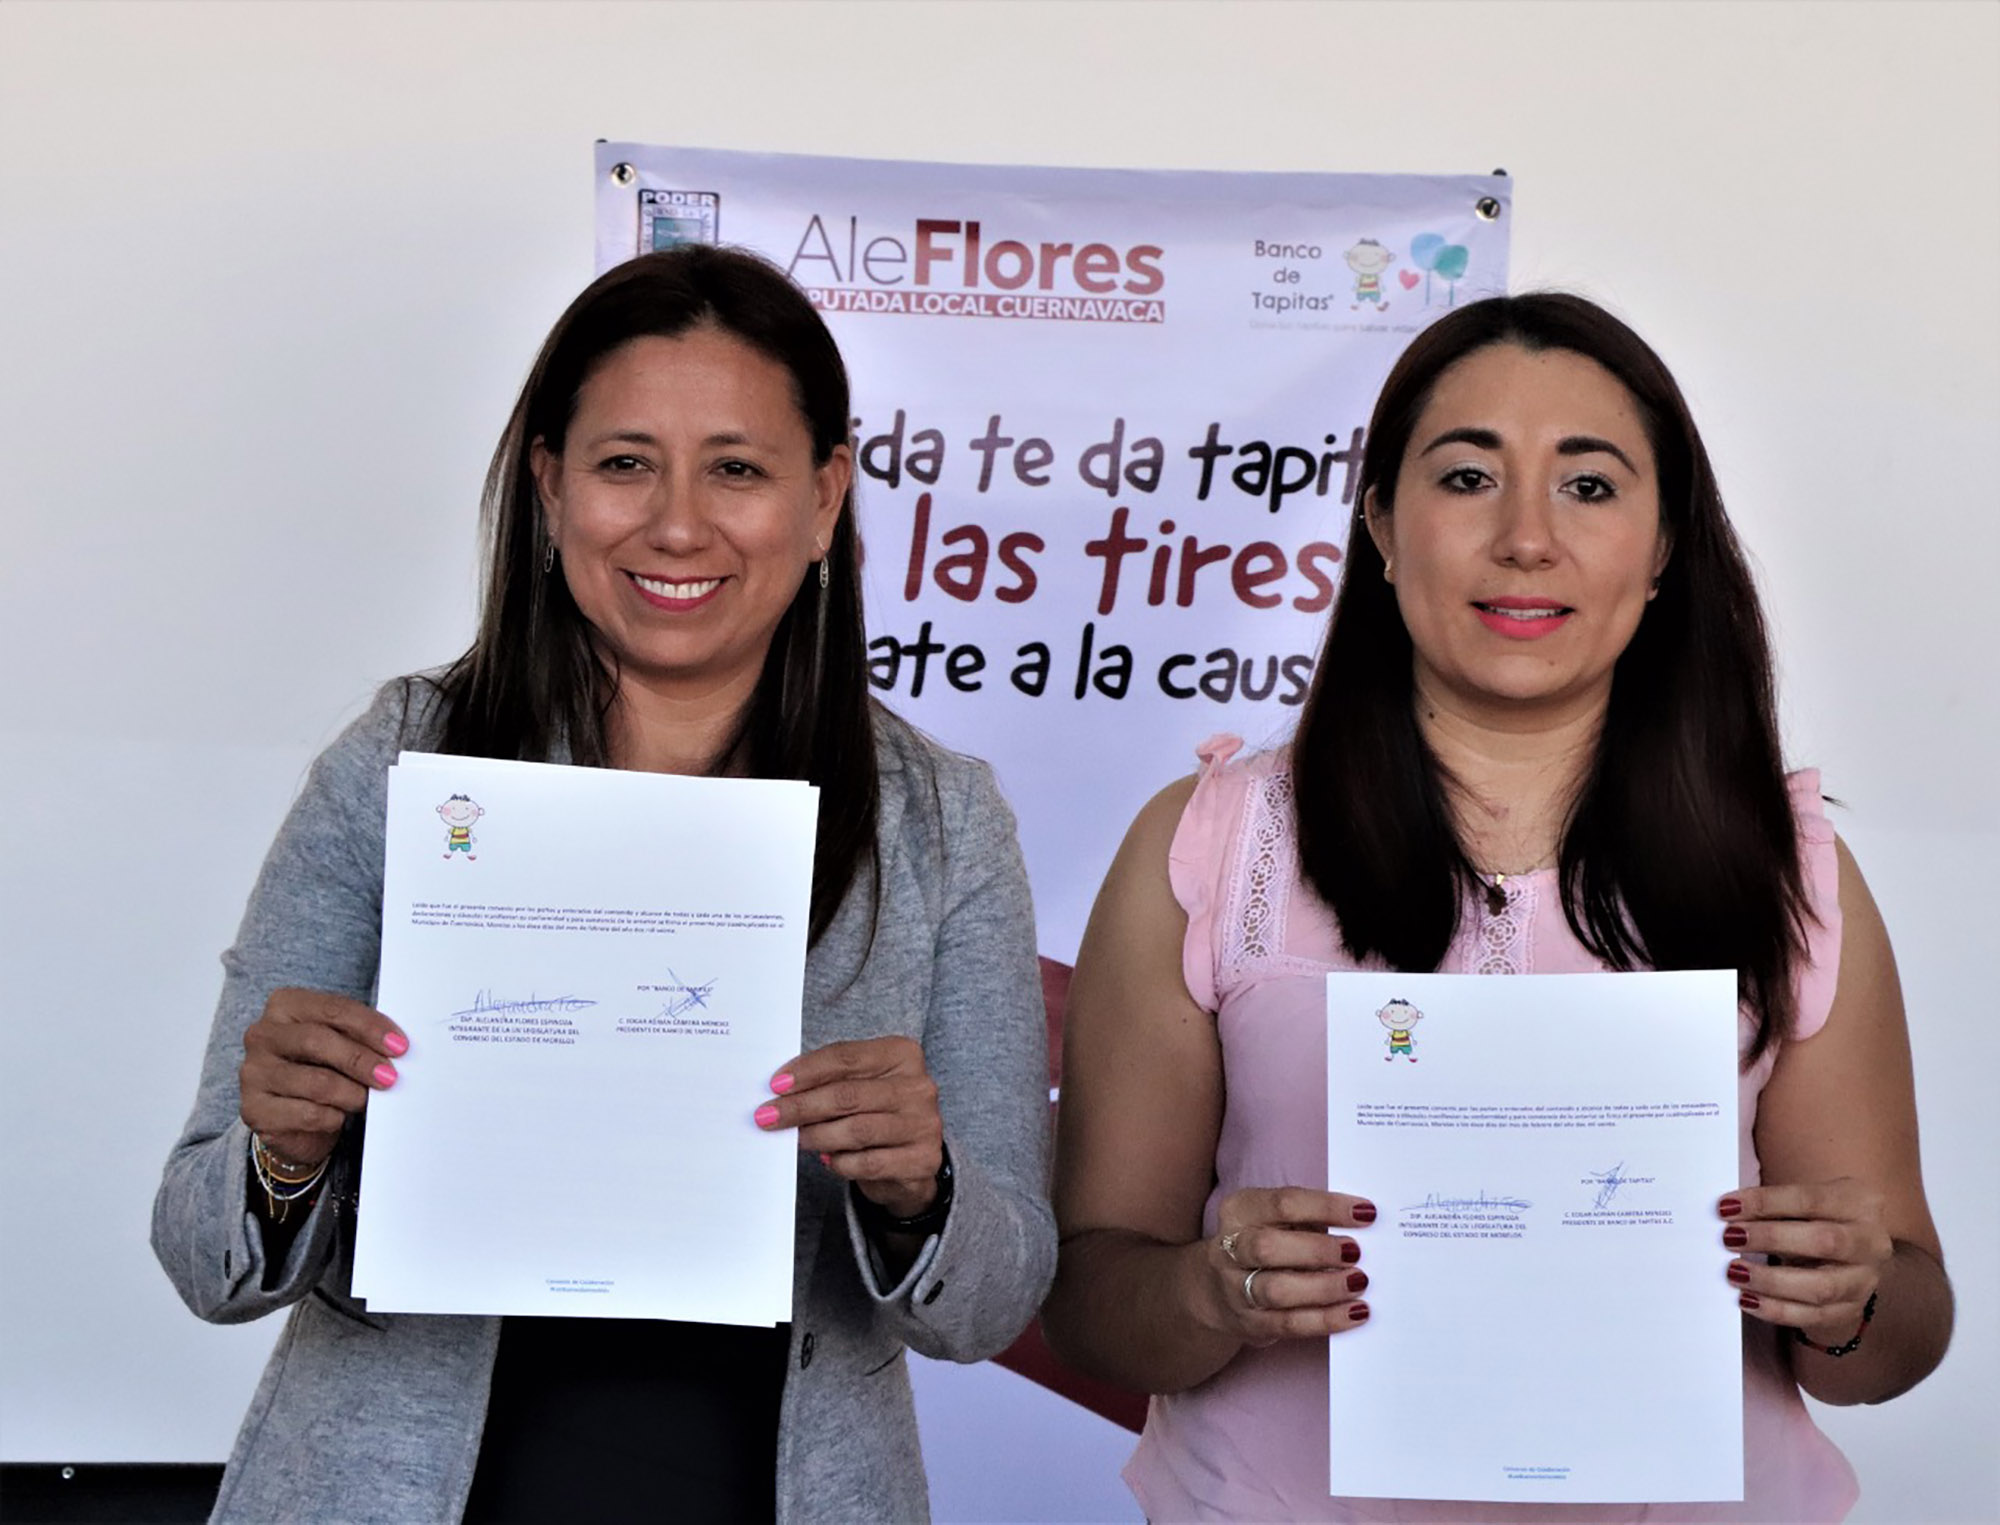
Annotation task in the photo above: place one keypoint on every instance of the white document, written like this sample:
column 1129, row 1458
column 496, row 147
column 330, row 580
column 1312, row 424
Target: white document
column 599, row 972
column 1550, row 1318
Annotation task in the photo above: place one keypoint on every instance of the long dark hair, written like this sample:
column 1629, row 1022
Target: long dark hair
column 1680, row 850
column 535, row 678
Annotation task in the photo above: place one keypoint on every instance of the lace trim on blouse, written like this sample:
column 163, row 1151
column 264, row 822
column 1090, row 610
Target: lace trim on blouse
column 1267, row 864
column 1503, row 942
column 1266, row 867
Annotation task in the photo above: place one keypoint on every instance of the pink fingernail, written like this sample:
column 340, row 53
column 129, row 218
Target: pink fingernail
column 783, row 1081
column 826, row 1160
column 396, row 1044
column 765, row 1115
column 385, row 1074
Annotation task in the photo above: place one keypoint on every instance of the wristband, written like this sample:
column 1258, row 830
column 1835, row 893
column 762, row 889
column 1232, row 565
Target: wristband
column 280, row 1185
column 877, row 1219
column 1867, row 1314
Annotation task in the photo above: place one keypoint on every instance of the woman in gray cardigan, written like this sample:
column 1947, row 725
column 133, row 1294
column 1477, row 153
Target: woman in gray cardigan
column 673, row 585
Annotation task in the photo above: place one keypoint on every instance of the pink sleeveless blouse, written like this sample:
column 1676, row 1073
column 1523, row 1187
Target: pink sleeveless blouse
column 1251, row 1442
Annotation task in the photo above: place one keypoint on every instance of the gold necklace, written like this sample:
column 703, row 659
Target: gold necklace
column 1495, row 882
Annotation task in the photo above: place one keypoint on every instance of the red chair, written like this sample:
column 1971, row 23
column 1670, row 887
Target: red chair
column 1030, row 1355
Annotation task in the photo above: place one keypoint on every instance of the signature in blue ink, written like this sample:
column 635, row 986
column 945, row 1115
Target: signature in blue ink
column 685, row 997
column 486, row 1004
column 1607, row 1183
column 1434, row 1203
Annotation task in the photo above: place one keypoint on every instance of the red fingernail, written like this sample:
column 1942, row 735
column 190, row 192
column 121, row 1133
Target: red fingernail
column 1738, row 1272
column 1364, row 1212
column 1357, row 1281
column 1349, row 1252
column 783, row 1081
column 1357, row 1313
column 765, row 1115
column 826, row 1160
column 1735, row 1236
column 396, row 1044
column 1748, row 1300
column 1729, row 1207
column 385, row 1074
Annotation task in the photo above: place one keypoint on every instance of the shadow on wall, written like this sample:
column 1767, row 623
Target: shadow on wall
column 1030, row 1355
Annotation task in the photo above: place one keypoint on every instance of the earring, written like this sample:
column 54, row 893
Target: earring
column 1388, row 569
column 549, row 559
column 825, row 573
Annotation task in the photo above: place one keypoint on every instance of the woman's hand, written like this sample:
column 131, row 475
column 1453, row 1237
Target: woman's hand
column 309, row 1062
column 868, row 1109
column 1829, row 1247
column 1272, row 1272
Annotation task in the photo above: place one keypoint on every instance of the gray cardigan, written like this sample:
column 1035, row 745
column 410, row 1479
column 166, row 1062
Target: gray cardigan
column 377, row 1416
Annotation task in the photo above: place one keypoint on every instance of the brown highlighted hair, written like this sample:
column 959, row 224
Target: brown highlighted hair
column 536, row 681
column 1680, row 850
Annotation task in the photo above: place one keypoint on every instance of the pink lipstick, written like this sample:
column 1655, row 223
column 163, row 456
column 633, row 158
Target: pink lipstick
column 677, row 596
column 1522, row 619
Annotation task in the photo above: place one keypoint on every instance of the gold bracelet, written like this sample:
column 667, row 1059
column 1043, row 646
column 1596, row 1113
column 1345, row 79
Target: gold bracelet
column 283, row 1171
column 281, row 1190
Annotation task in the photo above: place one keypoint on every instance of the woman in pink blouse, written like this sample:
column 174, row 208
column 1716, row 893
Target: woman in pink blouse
column 1541, row 737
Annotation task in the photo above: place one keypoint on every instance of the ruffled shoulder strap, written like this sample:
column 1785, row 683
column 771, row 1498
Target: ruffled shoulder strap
column 1197, row 860
column 1203, row 863
column 1813, row 988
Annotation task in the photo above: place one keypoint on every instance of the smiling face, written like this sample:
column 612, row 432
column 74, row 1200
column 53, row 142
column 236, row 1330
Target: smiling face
column 1399, row 1016
column 1368, row 258
column 1525, row 533
column 687, row 508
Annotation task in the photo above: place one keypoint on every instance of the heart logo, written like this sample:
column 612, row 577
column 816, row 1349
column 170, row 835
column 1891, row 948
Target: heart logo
column 1409, row 278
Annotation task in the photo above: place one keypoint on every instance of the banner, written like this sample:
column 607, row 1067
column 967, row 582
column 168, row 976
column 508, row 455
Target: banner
column 1108, row 427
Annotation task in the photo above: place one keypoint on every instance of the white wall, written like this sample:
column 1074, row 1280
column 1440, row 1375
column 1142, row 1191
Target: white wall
column 269, row 276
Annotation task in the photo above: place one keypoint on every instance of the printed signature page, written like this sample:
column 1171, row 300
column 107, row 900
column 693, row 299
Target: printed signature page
column 1550, row 1319
column 599, row 972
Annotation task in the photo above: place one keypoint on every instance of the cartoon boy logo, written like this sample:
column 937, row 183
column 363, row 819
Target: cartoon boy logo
column 459, row 813
column 1368, row 259
column 1401, row 1018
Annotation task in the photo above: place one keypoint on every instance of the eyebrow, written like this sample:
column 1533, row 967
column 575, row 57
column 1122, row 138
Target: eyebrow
column 1483, row 439
column 1572, row 444
column 641, row 437
column 1590, row 444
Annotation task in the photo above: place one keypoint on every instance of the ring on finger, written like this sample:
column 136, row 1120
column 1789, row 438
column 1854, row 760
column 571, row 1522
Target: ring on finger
column 1250, row 1288
column 1229, row 1246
